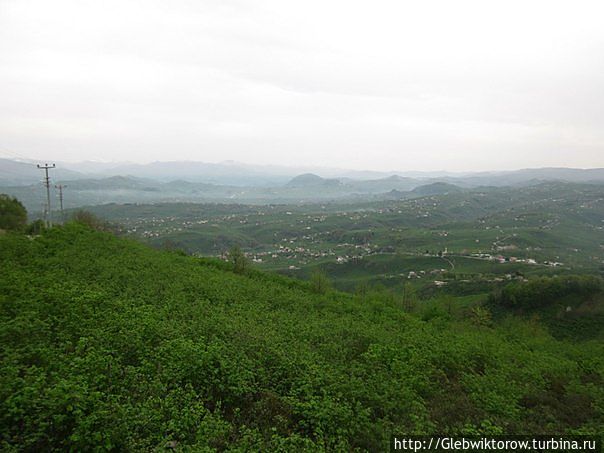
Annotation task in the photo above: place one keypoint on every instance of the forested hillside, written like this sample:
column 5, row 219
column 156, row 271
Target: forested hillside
column 107, row 344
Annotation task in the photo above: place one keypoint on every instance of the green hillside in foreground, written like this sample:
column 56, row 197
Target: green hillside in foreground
column 107, row 344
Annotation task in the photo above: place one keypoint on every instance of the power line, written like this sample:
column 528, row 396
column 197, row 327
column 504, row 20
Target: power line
column 46, row 182
column 10, row 154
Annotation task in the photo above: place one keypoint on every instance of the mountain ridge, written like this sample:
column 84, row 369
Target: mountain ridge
column 240, row 174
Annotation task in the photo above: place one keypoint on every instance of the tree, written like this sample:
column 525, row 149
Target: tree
column 319, row 282
column 240, row 262
column 92, row 221
column 13, row 215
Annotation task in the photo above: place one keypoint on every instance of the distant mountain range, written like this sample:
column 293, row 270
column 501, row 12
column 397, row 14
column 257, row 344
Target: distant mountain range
column 20, row 173
column 24, row 172
column 91, row 183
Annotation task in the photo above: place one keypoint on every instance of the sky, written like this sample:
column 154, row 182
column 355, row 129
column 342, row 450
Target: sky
column 381, row 85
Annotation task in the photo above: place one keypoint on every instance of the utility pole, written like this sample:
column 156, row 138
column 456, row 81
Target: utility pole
column 61, row 187
column 46, row 182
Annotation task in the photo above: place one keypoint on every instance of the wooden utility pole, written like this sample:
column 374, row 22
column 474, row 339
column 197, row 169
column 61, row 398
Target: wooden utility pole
column 61, row 187
column 46, row 182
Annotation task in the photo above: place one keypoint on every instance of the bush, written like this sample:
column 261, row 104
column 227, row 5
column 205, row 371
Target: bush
column 319, row 282
column 36, row 227
column 13, row 215
column 240, row 262
column 92, row 221
column 481, row 316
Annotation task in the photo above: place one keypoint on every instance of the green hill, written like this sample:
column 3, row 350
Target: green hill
column 437, row 188
column 107, row 344
column 307, row 179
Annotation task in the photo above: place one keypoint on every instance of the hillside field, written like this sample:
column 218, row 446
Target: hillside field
column 109, row 345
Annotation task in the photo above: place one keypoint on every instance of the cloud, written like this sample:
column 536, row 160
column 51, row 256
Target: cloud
column 463, row 85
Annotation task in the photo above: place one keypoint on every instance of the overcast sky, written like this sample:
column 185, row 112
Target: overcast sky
column 384, row 85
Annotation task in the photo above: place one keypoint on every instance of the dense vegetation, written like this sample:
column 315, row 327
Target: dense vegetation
column 13, row 215
column 570, row 306
column 543, row 291
column 107, row 344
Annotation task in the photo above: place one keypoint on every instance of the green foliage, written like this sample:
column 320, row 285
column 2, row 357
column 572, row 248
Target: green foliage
column 408, row 298
column 36, row 227
column 481, row 316
column 108, row 345
column 319, row 282
column 90, row 220
column 239, row 260
column 361, row 290
column 13, row 216
column 543, row 291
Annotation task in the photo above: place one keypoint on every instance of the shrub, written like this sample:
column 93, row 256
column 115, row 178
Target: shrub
column 13, row 215
column 92, row 221
column 240, row 262
column 319, row 282
column 36, row 227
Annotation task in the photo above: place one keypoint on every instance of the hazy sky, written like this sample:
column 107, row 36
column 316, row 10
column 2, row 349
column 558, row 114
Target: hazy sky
column 409, row 85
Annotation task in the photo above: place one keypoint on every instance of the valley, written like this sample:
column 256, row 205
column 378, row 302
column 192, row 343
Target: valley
column 481, row 234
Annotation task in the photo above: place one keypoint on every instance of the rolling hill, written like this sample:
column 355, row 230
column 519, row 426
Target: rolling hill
column 238, row 183
column 110, row 345
column 436, row 188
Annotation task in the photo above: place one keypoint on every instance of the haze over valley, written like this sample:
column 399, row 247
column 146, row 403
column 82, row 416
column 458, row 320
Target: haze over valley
column 94, row 183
